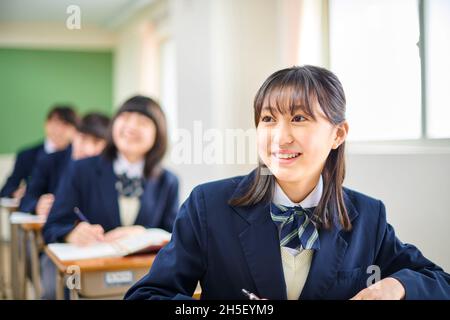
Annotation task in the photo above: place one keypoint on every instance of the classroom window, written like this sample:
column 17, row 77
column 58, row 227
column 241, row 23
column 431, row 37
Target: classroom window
column 437, row 52
column 375, row 49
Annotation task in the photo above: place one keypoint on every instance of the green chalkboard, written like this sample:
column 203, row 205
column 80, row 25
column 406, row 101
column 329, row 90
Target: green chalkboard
column 31, row 81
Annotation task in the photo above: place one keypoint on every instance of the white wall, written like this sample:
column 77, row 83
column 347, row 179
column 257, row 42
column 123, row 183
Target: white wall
column 222, row 58
column 415, row 190
column 224, row 51
column 136, row 59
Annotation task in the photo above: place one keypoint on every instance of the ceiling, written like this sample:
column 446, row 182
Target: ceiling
column 102, row 13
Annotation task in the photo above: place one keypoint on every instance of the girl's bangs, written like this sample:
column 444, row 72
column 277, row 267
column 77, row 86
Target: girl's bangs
column 285, row 97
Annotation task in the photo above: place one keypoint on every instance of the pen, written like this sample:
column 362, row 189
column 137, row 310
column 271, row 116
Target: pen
column 80, row 215
column 250, row 295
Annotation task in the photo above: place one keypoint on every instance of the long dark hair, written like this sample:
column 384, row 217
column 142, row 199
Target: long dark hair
column 150, row 108
column 302, row 86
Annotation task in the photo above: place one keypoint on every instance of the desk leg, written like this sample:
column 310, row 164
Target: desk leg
column 74, row 294
column 14, row 261
column 22, row 265
column 2, row 260
column 60, row 277
column 35, row 266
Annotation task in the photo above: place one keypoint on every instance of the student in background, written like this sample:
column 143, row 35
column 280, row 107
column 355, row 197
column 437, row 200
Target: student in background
column 60, row 128
column 121, row 192
column 124, row 190
column 289, row 229
column 89, row 140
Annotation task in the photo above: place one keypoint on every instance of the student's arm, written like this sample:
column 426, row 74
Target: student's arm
column 61, row 219
column 172, row 204
column 420, row 277
column 18, row 174
column 182, row 262
column 37, row 186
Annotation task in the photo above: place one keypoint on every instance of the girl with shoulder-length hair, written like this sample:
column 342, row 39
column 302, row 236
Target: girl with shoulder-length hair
column 124, row 190
column 296, row 93
column 289, row 229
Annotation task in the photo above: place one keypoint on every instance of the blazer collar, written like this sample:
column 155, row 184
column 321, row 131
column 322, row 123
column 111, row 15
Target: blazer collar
column 327, row 261
column 259, row 241
column 260, row 244
column 149, row 204
column 107, row 186
column 107, row 180
column 245, row 183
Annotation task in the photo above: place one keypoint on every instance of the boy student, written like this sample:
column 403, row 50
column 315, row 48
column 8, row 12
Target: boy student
column 89, row 140
column 60, row 127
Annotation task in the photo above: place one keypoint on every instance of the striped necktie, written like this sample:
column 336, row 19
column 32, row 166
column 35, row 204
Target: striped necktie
column 129, row 187
column 296, row 229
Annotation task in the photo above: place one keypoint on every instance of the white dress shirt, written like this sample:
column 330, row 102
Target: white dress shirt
column 296, row 263
column 49, row 147
column 128, row 206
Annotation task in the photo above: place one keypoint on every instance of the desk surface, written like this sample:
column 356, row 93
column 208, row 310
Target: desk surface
column 9, row 203
column 104, row 264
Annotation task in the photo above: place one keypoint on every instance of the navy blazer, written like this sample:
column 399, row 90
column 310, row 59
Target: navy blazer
column 230, row 248
column 45, row 177
column 90, row 186
column 25, row 162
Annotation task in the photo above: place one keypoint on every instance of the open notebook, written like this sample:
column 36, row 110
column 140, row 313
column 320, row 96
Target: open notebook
column 151, row 240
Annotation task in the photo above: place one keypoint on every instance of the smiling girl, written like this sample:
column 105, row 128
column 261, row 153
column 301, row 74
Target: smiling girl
column 121, row 192
column 289, row 229
column 124, row 190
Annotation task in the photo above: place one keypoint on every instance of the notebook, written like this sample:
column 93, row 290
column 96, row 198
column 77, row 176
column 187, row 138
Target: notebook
column 9, row 202
column 22, row 217
column 150, row 241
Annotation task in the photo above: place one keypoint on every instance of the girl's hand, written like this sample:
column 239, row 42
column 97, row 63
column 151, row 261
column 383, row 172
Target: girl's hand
column 19, row 193
column 386, row 289
column 122, row 232
column 85, row 234
column 45, row 204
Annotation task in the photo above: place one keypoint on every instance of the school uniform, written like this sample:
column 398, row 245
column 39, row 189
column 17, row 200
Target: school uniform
column 91, row 185
column 45, row 177
column 230, row 248
column 23, row 166
column 296, row 262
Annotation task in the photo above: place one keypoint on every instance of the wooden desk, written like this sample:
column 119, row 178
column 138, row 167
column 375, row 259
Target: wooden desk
column 25, row 229
column 31, row 234
column 8, row 206
column 102, row 277
column 95, row 272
